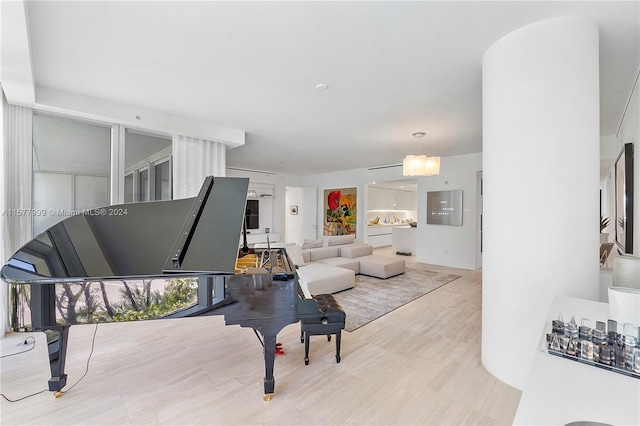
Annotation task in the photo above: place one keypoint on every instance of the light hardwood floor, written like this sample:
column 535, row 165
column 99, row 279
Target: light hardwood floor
column 417, row 365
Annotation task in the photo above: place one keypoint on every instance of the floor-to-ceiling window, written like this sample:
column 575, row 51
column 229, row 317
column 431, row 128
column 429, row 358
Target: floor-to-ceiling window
column 147, row 167
column 71, row 162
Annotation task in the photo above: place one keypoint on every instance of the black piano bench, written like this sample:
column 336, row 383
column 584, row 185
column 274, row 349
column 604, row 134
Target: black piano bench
column 329, row 320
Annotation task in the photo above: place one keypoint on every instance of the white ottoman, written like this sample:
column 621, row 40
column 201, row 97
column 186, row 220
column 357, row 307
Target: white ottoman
column 342, row 262
column 381, row 266
column 325, row 279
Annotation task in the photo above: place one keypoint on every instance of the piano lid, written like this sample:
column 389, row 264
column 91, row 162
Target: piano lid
column 191, row 236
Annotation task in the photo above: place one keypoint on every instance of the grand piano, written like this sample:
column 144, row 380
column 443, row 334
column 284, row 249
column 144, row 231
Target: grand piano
column 154, row 260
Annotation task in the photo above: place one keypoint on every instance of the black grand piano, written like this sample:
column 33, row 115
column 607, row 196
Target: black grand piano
column 154, row 260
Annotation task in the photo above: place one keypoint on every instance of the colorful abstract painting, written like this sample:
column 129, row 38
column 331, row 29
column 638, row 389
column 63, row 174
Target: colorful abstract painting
column 340, row 211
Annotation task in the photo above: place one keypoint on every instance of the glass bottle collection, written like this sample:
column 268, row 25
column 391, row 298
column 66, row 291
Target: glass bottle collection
column 601, row 346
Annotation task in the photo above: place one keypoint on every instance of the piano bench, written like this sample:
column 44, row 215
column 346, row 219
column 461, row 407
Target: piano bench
column 329, row 320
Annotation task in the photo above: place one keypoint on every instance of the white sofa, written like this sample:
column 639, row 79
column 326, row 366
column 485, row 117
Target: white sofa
column 339, row 250
column 321, row 267
column 329, row 264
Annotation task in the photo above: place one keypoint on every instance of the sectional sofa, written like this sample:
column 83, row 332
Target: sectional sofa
column 330, row 264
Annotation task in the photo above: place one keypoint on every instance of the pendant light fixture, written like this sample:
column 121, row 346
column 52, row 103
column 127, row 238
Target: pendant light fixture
column 420, row 165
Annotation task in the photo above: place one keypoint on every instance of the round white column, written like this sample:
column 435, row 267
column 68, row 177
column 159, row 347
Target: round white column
column 541, row 122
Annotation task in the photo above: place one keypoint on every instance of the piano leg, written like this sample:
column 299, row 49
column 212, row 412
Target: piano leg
column 57, row 348
column 43, row 317
column 269, row 361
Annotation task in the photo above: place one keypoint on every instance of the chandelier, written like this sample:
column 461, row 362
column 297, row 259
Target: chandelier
column 420, row 165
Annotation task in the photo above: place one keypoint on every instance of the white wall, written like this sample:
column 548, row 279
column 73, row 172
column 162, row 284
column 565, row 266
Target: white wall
column 303, row 224
column 453, row 246
column 294, row 223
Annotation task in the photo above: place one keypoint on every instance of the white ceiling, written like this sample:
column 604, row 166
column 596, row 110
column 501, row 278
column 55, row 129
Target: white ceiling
column 393, row 68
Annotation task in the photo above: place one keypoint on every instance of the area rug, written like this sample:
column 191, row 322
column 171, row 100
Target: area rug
column 372, row 297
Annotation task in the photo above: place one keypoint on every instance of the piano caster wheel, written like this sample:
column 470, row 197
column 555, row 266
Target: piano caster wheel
column 306, row 361
column 57, row 394
column 338, row 359
column 267, row 397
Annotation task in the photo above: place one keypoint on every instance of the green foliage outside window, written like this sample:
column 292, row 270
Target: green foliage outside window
column 142, row 303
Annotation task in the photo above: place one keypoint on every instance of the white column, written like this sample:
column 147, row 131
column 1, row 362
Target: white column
column 541, row 182
column 193, row 160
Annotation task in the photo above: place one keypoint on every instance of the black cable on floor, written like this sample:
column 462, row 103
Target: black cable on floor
column 24, row 397
column 33, row 345
column 93, row 342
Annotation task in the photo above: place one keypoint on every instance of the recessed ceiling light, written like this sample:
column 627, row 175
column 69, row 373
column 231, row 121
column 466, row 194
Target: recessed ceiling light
column 418, row 134
column 322, row 86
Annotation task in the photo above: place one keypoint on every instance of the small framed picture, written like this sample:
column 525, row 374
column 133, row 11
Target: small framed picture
column 293, row 209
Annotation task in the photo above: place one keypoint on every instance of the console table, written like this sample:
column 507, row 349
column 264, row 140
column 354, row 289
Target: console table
column 560, row 391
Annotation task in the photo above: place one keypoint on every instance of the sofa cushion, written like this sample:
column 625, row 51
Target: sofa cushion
column 352, row 251
column 295, row 254
column 338, row 240
column 316, row 254
column 381, row 266
column 307, row 244
column 342, row 262
column 319, row 278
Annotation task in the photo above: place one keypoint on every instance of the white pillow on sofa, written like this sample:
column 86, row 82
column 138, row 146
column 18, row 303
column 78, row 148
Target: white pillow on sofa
column 339, row 240
column 307, row 244
column 295, row 254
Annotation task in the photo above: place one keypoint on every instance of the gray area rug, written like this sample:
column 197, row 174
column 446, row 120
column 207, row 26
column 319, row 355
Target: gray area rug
column 372, row 297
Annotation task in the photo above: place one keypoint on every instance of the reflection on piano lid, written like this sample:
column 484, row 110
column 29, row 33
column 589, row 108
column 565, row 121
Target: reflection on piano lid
column 191, row 236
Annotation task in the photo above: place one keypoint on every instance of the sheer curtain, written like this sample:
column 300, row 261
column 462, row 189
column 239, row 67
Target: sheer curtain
column 193, row 160
column 15, row 190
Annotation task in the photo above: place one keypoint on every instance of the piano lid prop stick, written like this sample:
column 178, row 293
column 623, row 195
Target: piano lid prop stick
column 188, row 229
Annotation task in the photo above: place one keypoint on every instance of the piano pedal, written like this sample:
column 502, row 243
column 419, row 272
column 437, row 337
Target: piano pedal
column 279, row 350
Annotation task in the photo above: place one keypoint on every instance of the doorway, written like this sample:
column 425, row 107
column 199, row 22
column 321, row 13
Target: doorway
column 301, row 214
